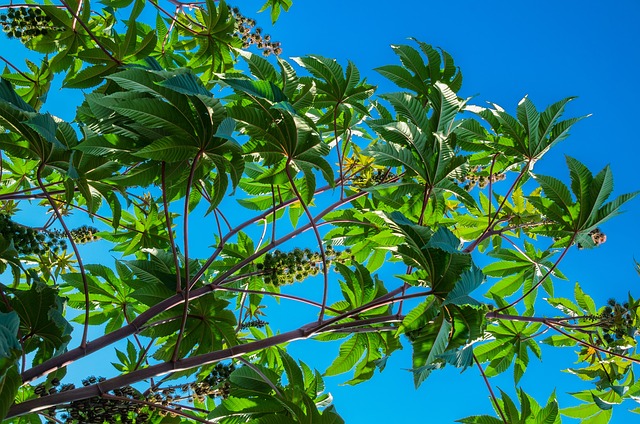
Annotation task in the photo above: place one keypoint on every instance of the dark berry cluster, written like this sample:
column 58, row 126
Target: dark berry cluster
column 218, row 381
column 254, row 323
column 26, row 22
column 285, row 268
column 80, row 235
column 26, row 240
column 247, row 31
column 167, row 397
column 616, row 320
column 477, row 177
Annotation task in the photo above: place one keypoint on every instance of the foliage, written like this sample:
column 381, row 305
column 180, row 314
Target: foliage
column 182, row 123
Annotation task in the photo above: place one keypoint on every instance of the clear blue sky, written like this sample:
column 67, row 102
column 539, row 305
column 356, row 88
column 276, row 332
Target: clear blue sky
column 506, row 49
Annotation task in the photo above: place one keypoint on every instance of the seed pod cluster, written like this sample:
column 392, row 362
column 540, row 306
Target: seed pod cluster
column 254, row 323
column 220, row 373
column 247, row 31
column 104, row 410
column 80, row 235
column 28, row 241
column 26, row 22
column 288, row 267
column 477, row 177
column 97, row 409
column 368, row 179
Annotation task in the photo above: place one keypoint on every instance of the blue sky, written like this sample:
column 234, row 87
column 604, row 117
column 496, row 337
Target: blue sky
column 506, row 50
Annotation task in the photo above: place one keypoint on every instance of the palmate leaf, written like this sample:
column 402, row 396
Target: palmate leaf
column 282, row 138
column 418, row 76
column 530, row 120
column 276, row 7
column 408, row 107
column 337, row 88
column 469, row 281
column 40, row 310
column 260, row 67
column 445, row 105
column 578, row 218
column 266, row 90
column 529, row 135
column 436, row 253
column 31, row 135
column 432, row 161
column 530, row 411
column 9, row 95
column 469, row 324
column 33, row 85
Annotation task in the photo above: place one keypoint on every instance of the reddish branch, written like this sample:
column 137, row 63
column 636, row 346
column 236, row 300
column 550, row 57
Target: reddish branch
column 184, row 364
column 135, row 325
column 494, row 399
column 185, row 224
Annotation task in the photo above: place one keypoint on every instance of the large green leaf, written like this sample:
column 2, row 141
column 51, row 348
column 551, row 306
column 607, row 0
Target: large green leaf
column 40, row 310
column 10, row 348
column 428, row 344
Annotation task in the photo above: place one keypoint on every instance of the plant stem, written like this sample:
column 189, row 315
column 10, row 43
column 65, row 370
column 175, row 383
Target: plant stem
column 167, row 218
column 494, row 399
column 83, row 274
column 544, row 277
column 185, row 230
column 325, row 270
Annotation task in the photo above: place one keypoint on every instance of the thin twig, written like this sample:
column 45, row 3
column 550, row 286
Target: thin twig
column 325, row 270
column 544, row 277
column 83, row 274
column 493, row 395
column 167, row 218
column 91, row 35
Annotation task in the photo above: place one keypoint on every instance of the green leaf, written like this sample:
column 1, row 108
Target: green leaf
column 469, row 281
column 89, row 77
column 260, row 89
column 10, row 382
column 480, row 419
column 584, row 300
column 428, row 344
column 247, row 378
column 350, row 353
column 10, row 348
